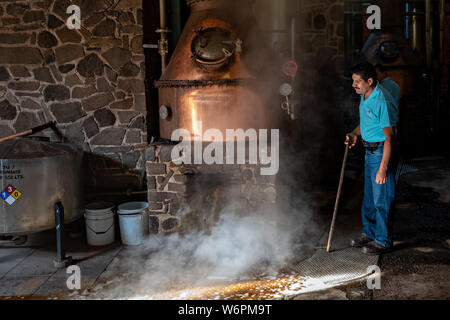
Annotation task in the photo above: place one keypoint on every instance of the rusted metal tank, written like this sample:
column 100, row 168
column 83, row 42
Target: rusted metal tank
column 209, row 80
column 391, row 50
column 35, row 175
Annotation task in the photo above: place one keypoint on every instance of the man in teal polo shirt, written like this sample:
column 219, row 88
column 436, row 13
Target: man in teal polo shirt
column 378, row 120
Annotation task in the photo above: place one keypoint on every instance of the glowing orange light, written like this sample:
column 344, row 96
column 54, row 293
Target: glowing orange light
column 245, row 290
column 196, row 133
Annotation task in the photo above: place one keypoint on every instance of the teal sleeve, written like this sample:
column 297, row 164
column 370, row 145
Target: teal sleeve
column 388, row 116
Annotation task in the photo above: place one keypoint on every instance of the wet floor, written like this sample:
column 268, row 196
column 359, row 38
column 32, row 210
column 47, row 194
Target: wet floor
column 418, row 268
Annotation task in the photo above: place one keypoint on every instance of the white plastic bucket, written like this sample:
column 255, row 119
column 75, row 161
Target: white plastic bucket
column 99, row 218
column 133, row 221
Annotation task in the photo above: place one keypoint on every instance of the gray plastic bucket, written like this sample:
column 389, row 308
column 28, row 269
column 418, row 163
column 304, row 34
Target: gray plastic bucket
column 99, row 217
column 133, row 221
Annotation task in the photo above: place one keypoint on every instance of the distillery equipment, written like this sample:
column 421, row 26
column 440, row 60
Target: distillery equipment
column 221, row 76
column 35, row 176
column 395, row 53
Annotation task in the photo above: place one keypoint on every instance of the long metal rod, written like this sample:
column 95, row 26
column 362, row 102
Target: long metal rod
column 163, row 29
column 338, row 196
column 61, row 260
column 59, row 222
column 162, row 14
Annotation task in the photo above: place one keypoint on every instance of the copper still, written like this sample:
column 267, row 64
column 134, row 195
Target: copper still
column 209, row 78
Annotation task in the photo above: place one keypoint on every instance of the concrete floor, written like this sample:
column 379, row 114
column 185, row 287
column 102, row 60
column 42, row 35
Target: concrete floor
column 28, row 271
column 418, row 268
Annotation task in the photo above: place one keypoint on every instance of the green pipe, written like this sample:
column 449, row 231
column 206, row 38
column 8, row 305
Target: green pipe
column 175, row 20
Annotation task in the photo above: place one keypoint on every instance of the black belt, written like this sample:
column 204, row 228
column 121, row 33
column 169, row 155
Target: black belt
column 372, row 146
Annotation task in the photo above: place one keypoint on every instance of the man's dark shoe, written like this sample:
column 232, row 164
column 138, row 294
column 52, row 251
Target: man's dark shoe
column 374, row 249
column 360, row 242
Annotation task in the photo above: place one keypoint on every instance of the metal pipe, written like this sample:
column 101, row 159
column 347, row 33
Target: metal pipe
column 162, row 14
column 61, row 260
column 59, row 222
column 163, row 51
column 417, row 28
column 275, row 19
column 175, row 23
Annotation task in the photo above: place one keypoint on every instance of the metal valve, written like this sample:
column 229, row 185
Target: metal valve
column 165, row 112
column 285, row 91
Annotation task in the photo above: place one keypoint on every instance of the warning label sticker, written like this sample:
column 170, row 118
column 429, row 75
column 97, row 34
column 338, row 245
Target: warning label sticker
column 10, row 195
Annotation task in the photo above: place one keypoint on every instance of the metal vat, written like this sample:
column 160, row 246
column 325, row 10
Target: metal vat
column 34, row 176
column 215, row 75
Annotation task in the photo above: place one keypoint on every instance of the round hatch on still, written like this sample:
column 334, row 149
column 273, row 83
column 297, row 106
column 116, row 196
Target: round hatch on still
column 213, row 46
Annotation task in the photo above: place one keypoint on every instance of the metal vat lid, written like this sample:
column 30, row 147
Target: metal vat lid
column 21, row 148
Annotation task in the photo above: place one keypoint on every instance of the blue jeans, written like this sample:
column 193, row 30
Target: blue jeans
column 378, row 200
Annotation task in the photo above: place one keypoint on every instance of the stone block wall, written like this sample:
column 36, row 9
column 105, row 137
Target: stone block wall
column 323, row 22
column 90, row 81
column 187, row 197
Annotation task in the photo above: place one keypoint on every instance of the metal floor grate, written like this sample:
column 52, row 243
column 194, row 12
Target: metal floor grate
column 337, row 267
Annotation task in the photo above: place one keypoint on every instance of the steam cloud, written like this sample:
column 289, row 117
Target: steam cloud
column 237, row 246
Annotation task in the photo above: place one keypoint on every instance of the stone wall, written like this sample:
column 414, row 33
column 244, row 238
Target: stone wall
column 324, row 31
column 90, row 81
